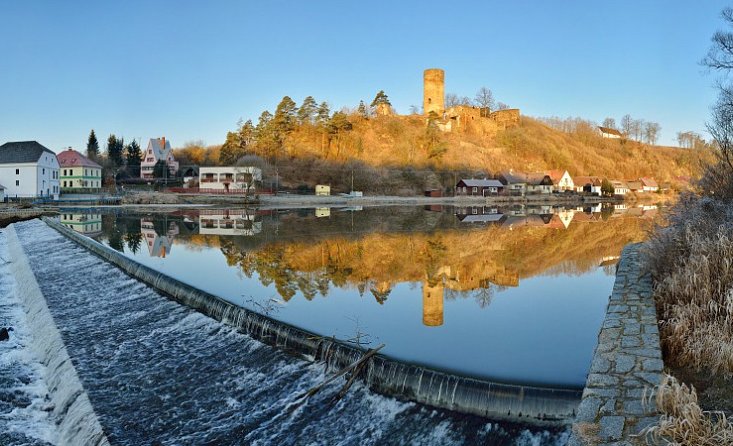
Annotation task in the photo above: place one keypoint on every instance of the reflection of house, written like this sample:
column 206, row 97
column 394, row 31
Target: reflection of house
column 229, row 222
column 561, row 180
column 159, row 245
column 83, row 223
column 158, row 150
column 234, row 178
column 479, row 214
column 566, row 216
column 323, row 212
column 479, row 187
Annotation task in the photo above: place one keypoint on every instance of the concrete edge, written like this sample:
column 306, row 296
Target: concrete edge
column 73, row 413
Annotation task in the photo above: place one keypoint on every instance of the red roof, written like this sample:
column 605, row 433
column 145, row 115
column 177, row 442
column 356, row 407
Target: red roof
column 649, row 182
column 72, row 158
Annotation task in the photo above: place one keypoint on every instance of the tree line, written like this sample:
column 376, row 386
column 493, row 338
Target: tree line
column 118, row 159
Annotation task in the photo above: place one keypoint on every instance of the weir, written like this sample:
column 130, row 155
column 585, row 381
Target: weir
column 538, row 405
column 71, row 409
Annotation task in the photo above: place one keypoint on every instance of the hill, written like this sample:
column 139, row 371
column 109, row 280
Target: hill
column 405, row 154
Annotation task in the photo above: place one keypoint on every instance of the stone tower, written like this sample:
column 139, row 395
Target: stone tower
column 434, row 91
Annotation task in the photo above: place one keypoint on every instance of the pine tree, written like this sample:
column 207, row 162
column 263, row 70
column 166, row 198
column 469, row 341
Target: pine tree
column 324, row 113
column 285, row 115
column 160, row 169
column 231, row 149
column 307, row 110
column 115, row 147
column 362, row 110
column 134, row 157
column 381, row 98
column 92, row 146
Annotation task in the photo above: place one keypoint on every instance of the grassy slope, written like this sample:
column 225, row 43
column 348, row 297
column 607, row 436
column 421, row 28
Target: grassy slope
column 400, row 142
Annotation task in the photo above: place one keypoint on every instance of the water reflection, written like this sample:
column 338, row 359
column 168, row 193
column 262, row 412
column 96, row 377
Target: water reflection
column 88, row 224
column 480, row 290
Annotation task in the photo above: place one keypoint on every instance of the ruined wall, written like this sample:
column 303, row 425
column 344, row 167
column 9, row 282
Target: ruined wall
column 434, row 91
column 466, row 118
column 506, row 118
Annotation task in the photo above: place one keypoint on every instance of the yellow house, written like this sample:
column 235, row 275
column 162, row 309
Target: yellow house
column 78, row 173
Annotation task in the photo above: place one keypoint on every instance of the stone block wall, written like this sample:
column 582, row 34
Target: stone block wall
column 626, row 365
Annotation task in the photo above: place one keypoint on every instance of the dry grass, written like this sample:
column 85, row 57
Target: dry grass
column 683, row 422
column 692, row 261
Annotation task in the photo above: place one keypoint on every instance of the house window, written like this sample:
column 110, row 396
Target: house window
column 17, row 171
column 475, row 189
column 17, row 182
column 43, row 171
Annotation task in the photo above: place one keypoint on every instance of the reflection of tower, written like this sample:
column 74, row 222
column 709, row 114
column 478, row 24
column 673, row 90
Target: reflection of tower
column 432, row 304
column 434, row 91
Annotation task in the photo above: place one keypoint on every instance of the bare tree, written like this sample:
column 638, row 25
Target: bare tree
column 627, row 125
column 720, row 55
column 502, row 106
column 609, row 123
column 651, row 132
column 485, row 99
column 415, row 110
column 451, row 100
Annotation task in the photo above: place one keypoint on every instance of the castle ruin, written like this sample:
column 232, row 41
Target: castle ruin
column 463, row 118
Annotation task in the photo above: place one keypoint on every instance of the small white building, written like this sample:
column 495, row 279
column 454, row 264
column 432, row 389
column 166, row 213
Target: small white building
column 229, row 179
column 649, row 184
column 619, row 187
column 607, row 132
column 2, row 193
column 158, row 149
column 29, row 170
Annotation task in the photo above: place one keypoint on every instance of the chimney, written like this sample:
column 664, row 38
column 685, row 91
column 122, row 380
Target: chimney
column 162, row 138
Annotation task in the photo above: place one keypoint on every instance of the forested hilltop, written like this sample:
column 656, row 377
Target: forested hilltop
column 389, row 153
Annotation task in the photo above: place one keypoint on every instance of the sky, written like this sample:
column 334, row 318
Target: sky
column 189, row 70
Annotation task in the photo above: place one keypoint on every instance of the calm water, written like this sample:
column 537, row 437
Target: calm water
column 513, row 295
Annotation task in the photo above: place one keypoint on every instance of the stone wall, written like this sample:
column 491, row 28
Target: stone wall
column 506, row 118
column 626, row 365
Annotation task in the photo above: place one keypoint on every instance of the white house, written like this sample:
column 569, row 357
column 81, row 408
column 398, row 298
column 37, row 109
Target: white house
column 607, row 132
column 649, row 184
column 158, row 149
column 561, row 180
column 229, row 179
column 29, row 170
column 587, row 184
column 2, row 193
column 619, row 187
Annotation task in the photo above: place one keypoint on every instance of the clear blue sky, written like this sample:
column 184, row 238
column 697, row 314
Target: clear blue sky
column 190, row 69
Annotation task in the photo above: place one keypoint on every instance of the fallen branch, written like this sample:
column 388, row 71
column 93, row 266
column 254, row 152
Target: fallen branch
column 300, row 399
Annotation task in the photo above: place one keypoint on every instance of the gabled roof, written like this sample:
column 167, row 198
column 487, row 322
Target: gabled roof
column 609, row 131
column 556, row 175
column 22, row 152
column 512, row 177
column 619, row 183
column 650, row 182
column 72, row 158
column 481, row 183
column 2, row 187
column 583, row 180
column 161, row 148
column 634, row 185
column 538, row 178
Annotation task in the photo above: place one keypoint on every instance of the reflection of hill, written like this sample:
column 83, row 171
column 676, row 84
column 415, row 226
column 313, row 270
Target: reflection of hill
column 461, row 260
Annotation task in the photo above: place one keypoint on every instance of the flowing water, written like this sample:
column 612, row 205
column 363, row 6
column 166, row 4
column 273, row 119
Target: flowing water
column 513, row 295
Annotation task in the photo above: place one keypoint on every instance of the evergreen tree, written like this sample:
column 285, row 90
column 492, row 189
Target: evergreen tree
column 115, row 147
column 324, row 113
column 134, row 157
column 606, row 187
column 160, row 169
column 362, row 110
column 92, row 146
column 285, row 116
column 339, row 123
column 231, row 150
column 307, row 110
column 381, row 98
